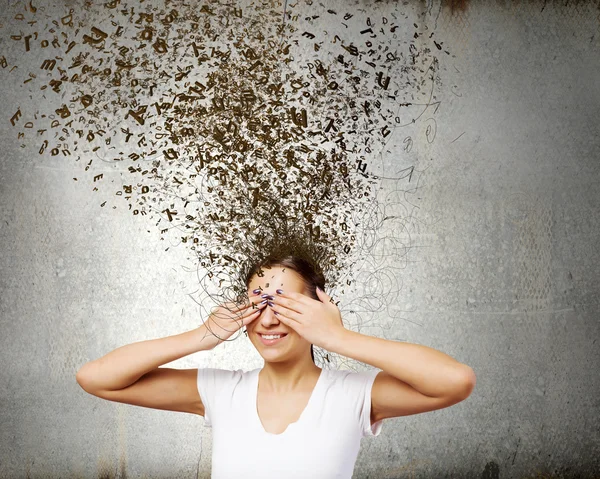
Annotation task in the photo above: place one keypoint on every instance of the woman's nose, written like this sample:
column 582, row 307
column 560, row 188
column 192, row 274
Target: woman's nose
column 268, row 316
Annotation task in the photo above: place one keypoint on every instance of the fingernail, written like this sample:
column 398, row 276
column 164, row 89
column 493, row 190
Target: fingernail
column 276, row 312
column 269, row 303
column 279, row 291
column 268, row 296
column 256, row 291
column 319, row 289
column 263, row 301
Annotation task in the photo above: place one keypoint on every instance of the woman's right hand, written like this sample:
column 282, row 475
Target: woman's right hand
column 227, row 318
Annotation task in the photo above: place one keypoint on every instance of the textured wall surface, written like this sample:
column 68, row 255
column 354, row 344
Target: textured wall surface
column 500, row 220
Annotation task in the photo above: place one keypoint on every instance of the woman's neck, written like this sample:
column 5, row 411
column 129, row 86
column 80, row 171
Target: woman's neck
column 287, row 377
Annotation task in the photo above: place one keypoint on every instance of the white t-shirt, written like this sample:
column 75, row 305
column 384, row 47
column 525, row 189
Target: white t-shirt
column 322, row 444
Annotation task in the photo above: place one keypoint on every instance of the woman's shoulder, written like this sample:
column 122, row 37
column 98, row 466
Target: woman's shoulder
column 350, row 373
column 222, row 376
column 221, row 372
column 349, row 379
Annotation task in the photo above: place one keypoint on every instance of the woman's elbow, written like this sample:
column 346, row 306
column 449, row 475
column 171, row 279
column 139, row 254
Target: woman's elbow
column 469, row 381
column 82, row 378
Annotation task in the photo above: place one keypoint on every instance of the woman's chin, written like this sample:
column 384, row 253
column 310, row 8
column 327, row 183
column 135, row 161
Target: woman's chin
column 272, row 353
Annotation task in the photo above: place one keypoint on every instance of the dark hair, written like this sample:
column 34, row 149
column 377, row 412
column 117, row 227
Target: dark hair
column 311, row 274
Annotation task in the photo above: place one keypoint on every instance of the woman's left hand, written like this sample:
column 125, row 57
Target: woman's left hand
column 319, row 322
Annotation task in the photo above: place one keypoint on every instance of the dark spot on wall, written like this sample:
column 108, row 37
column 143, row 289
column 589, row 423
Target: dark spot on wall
column 491, row 471
column 455, row 5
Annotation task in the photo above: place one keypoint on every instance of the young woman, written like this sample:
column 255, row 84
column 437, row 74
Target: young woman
column 289, row 418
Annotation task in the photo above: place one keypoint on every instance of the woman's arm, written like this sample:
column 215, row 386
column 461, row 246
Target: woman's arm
column 427, row 370
column 415, row 378
column 125, row 365
column 132, row 374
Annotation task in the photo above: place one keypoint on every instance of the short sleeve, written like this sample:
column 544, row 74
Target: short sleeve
column 206, row 388
column 213, row 388
column 367, row 380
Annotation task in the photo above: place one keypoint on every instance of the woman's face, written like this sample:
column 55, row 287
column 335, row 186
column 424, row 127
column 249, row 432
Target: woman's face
column 291, row 346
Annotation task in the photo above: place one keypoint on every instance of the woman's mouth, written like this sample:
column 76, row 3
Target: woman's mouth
column 270, row 339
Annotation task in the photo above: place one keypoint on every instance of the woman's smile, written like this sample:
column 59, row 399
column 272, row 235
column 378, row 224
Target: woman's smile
column 270, row 340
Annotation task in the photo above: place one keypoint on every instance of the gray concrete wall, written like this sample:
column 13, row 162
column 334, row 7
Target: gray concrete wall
column 492, row 257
